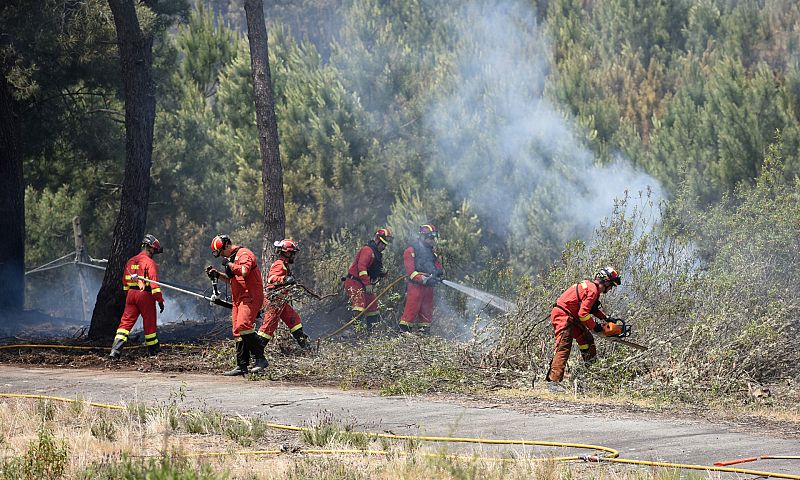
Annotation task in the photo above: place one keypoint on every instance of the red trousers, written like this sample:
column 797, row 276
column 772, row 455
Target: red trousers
column 419, row 305
column 139, row 302
column 244, row 317
column 282, row 311
column 359, row 299
column 566, row 329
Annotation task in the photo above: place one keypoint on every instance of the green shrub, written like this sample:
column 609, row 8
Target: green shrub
column 163, row 468
column 328, row 432
column 103, row 428
column 46, row 458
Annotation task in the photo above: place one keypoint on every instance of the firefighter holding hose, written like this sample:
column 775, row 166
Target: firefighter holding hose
column 141, row 297
column 424, row 271
column 240, row 270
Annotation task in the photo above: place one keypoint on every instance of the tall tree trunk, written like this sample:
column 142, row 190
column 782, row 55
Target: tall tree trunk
column 12, row 199
column 271, row 169
column 136, row 59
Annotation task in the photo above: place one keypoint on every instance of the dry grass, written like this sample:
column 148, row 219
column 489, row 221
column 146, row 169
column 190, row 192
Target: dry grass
column 412, row 365
column 129, row 444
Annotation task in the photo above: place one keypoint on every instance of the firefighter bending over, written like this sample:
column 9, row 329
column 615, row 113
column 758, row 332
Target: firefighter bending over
column 141, row 298
column 240, row 270
column 279, row 282
column 367, row 268
column 572, row 319
column 424, row 271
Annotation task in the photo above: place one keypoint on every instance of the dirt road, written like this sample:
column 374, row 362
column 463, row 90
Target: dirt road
column 635, row 436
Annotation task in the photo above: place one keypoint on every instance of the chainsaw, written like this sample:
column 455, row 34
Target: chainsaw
column 626, row 332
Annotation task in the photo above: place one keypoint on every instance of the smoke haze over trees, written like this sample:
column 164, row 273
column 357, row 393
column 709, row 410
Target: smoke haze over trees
column 512, row 125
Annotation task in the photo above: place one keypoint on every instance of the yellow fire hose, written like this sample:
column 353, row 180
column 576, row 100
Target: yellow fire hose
column 610, row 456
column 362, row 312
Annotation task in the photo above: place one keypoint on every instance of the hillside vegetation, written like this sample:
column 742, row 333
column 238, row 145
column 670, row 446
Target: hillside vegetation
column 544, row 138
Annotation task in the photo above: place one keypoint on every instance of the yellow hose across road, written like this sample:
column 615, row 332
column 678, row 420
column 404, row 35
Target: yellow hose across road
column 610, row 456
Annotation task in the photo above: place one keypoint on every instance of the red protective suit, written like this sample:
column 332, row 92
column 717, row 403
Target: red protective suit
column 247, row 290
column 419, row 261
column 572, row 319
column 365, row 269
column 141, row 298
column 277, row 306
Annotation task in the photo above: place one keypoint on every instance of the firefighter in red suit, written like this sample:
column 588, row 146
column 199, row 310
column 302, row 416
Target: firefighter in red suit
column 572, row 319
column 366, row 269
column 424, row 271
column 141, row 297
column 240, row 270
column 279, row 281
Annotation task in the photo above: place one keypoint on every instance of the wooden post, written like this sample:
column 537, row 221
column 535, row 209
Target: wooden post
column 81, row 255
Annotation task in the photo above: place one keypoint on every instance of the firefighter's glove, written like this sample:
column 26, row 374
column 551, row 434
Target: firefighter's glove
column 611, row 329
column 370, row 289
column 598, row 327
column 160, row 307
column 439, row 274
column 289, row 280
column 212, row 273
column 429, row 281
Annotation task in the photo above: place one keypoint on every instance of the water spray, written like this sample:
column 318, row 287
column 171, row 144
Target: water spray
column 486, row 298
column 507, row 307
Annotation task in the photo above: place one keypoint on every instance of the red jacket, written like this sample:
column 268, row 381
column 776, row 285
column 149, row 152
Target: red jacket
column 360, row 267
column 581, row 301
column 246, row 281
column 143, row 266
column 277, row 273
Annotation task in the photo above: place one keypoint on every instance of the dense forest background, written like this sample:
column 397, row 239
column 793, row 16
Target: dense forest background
column 517, row 127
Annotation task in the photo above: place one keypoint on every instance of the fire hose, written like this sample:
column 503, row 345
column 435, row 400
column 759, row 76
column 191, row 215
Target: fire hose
column 610, row 455
column 214, row 299
column 362, row 312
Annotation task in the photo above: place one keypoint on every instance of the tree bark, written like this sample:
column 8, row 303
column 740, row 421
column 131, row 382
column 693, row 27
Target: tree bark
column 136, row 59
column 271, row 168
column 12, row 199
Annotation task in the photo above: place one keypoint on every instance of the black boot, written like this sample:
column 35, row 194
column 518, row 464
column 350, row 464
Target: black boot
column 236, row 371
column 116, row 348
column 253, row 344
column 302, row 338
column 260, row 365
column 370, row 323
column 263, row 341
column 424, row 329
column 242, row 359
column 405, row 328
column 154, row 349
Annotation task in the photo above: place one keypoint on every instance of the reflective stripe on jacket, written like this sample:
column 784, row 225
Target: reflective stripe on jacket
column 142, row 266
column 581, row 301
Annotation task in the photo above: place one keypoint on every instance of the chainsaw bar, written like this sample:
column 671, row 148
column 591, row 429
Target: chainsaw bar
column 627, row 342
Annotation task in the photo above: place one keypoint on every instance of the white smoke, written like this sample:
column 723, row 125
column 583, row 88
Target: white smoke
column 503, row 145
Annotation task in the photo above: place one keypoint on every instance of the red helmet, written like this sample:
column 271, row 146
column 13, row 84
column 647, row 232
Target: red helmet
column 286, row 246
column 218, row 244
column 428, row 231
column 608, row 275
column 152, row 242
column 384, row 235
